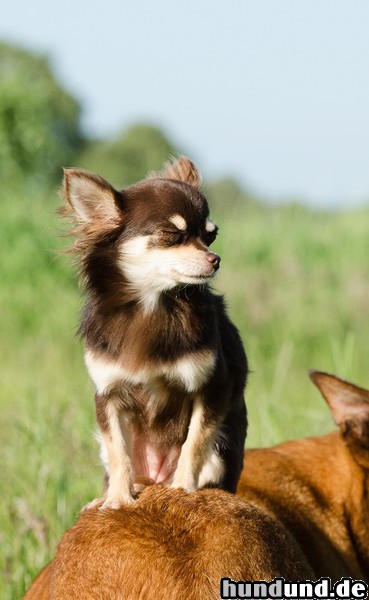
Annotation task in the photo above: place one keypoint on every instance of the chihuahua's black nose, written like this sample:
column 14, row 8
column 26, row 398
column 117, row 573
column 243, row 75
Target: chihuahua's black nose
column 214, row 259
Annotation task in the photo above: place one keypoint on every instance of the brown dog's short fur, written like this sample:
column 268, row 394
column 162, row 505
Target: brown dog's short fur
column 40, row 588
column 168, row 365
column 318, row 488
column 169, row 543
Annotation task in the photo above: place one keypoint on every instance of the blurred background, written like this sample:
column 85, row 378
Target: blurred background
column 270, row 99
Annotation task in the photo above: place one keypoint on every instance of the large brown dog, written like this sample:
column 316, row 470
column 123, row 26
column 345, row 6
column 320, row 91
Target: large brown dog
column 319, row 487
column 305, row 518
column 170, row 543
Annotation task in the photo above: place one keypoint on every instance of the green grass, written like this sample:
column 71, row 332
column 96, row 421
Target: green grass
column 297, row 286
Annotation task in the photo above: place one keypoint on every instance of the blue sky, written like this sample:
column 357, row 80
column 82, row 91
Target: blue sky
column 274, row 92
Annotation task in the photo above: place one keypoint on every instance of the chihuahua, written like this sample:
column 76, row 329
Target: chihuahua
column 168, row 365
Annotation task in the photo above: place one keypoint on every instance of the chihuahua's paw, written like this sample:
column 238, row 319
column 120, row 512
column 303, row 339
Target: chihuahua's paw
column 116, row 503
column 188, row 486
column 92, row 504
column 140, row 484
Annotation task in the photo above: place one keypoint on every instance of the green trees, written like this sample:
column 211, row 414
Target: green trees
column 39, row 120
column 226, row 195
column 130, row 156
column 40, row 132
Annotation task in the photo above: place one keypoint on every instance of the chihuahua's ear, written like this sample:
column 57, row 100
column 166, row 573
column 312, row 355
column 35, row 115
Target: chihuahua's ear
column 91, row 197
column 181, row 169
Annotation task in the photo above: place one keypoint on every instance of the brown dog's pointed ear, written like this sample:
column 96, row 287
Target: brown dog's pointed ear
column 345, row 400
column 91, row 197
column 181, row 169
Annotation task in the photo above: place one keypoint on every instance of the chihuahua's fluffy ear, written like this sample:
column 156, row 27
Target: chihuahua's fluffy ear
column 181, row 169
column 90, row 197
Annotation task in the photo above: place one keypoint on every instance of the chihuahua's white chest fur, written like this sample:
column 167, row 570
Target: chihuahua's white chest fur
column 189, row 372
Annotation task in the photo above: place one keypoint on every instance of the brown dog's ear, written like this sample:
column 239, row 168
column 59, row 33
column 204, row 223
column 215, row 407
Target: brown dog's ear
column 346, row 401
column 349, row 405
column 90, row 196
column 181, row 169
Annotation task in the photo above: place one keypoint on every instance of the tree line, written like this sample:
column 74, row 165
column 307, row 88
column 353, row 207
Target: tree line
column 41, row 131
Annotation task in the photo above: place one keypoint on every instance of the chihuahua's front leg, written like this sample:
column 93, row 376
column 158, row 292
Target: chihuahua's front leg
column 196, row 454
column 115, row 432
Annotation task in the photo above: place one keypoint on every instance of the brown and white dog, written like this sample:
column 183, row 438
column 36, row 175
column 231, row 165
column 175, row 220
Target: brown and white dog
column 168, row 365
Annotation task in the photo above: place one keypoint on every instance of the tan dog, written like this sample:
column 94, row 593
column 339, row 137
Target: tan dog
column 305, row 518
column 319, row 487
column 169, row 543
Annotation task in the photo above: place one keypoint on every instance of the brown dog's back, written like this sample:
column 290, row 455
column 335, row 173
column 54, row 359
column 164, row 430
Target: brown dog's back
column 173, row 543
column 291, row 482
column 40, row 588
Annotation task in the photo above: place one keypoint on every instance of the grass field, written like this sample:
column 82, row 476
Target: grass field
column 297, row 285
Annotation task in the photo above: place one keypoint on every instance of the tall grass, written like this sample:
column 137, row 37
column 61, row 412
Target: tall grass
column 297, row 283
column 297, row 286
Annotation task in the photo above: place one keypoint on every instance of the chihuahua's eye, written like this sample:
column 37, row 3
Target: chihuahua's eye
column 172, row 238
column 210, row 236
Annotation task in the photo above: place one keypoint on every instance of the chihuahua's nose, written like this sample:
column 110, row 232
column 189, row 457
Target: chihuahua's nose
column 214, row 259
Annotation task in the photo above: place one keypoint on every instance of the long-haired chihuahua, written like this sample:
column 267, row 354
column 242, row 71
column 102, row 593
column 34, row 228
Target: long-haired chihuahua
column 168, row 365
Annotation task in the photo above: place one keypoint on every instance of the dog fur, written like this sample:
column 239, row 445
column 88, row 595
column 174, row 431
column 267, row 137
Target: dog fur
column 301, row 514
column 168, row 365
column 318, row 488
column 168, row 542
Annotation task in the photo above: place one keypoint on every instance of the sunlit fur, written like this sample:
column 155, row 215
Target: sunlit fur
column 168, row 365
column 179, row 222
column 301, row 513
column 152, row 269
